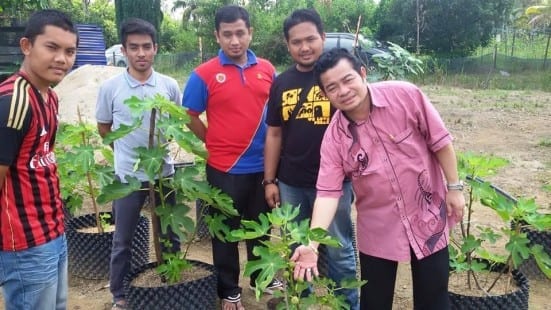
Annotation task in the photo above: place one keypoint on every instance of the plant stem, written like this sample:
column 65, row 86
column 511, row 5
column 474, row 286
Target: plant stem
column 507, row 268
column 152, row 202
column 202, row 214
column 89, row 176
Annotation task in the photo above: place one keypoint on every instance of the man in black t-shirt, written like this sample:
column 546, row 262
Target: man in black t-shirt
column 297, row 118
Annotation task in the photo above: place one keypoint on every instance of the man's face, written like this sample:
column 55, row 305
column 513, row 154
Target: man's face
column 234, row 39
column 305, row 45
column 140, row 51
column 50, row 57
column 344, row 86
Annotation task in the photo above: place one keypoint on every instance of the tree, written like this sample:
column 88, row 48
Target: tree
column 98, row 12
column 190, row 11
column 451, row 27
column 19, row 10
column 149, row 10
column 540, row 17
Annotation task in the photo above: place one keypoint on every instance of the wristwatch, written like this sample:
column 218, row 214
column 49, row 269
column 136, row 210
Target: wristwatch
column 455, row 186
column 272, row 181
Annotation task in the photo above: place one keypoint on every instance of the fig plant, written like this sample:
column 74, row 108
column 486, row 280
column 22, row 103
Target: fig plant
column 473, row 250
column 84, row 165
column 285, row 234
column 167, row 125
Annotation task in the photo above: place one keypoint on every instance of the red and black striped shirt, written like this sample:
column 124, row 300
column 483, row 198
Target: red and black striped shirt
column 31, row 208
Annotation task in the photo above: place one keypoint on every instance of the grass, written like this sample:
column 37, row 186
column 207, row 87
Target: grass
column 546, row 142
column 540, row 80
column 526, row 46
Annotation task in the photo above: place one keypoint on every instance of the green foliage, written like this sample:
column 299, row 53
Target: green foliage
column 105, row 220
column 173, row 266
column 396, row 64
column 545, row 142
column 174, row 38
column 274, row 259
column 20, row 10
column 187, row 183
column 80, row 173
column 517, row 215
column 343, row 15
column 149, row 10
column 452, row 27
column 99, row 12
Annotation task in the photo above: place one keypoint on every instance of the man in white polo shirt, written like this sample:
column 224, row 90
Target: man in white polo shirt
column 140, row 80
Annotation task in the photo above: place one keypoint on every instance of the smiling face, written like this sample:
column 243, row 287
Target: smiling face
column 49, row 57
column 234, row 39
column 305, row 45
column 140, row 51
column 346, row 89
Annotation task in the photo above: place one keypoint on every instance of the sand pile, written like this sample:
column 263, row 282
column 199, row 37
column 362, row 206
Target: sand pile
column 80, row 88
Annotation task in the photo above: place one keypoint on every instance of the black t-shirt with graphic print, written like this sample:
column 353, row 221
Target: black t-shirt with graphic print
column 300, row 153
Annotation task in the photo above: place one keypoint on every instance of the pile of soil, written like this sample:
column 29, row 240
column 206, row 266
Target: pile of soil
column 79, row 90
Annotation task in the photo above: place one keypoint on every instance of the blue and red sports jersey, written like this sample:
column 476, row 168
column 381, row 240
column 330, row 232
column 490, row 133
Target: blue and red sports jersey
column 234, row 99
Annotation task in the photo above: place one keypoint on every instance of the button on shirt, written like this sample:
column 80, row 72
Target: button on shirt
column 396, row 176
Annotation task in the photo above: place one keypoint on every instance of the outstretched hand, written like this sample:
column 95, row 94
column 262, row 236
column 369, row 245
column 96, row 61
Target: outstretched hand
column 306, row 263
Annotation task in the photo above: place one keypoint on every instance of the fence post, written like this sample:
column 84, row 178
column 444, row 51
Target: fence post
column 546, row 50
column 495, row 56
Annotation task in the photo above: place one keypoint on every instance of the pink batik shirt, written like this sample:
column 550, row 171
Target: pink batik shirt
column 390, row 158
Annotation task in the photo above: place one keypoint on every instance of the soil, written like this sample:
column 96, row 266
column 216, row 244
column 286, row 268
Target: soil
column 515, row 125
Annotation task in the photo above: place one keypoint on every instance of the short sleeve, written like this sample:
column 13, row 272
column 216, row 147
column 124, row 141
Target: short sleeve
column 431, row 124
column 15, row 119
column 104, row 106
column 195, row 94
column 175, row 94
column 331, row 172
column 273, row 117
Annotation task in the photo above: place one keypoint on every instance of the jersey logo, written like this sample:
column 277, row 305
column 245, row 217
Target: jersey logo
column 220, row 77
column 43, row 132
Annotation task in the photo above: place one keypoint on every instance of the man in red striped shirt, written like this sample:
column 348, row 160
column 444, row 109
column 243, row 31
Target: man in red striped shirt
column 33, row 248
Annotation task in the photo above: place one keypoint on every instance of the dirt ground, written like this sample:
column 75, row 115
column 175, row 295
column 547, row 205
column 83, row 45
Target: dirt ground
column 515, row 125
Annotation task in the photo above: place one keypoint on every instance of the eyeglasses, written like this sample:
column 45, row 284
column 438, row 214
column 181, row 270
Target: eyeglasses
column 356, row 151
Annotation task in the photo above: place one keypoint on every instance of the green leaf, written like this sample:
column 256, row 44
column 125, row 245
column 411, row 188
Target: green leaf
column 122, row 131
column 151, row 160
column 218, row 227
column 543, row 260
column 518, row 246
column 470, row 243
column 117, row 190
column 177, row 217
column 320, row 235
column 267, row 267
column 83, row 156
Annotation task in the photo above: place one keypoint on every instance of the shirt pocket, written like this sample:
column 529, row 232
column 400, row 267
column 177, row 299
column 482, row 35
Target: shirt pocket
column 407, row 143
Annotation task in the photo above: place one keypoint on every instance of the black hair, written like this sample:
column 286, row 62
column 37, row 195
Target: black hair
column 330, row 59
column 39, row 20
column 137, row 26
column 231, row 14
column 301, row 16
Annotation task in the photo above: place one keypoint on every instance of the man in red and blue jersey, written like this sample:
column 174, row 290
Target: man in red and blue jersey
column 33, row 248
column 233, row 89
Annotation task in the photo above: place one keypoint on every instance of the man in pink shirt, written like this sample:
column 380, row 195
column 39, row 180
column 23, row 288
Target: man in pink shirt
column 389, row 139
